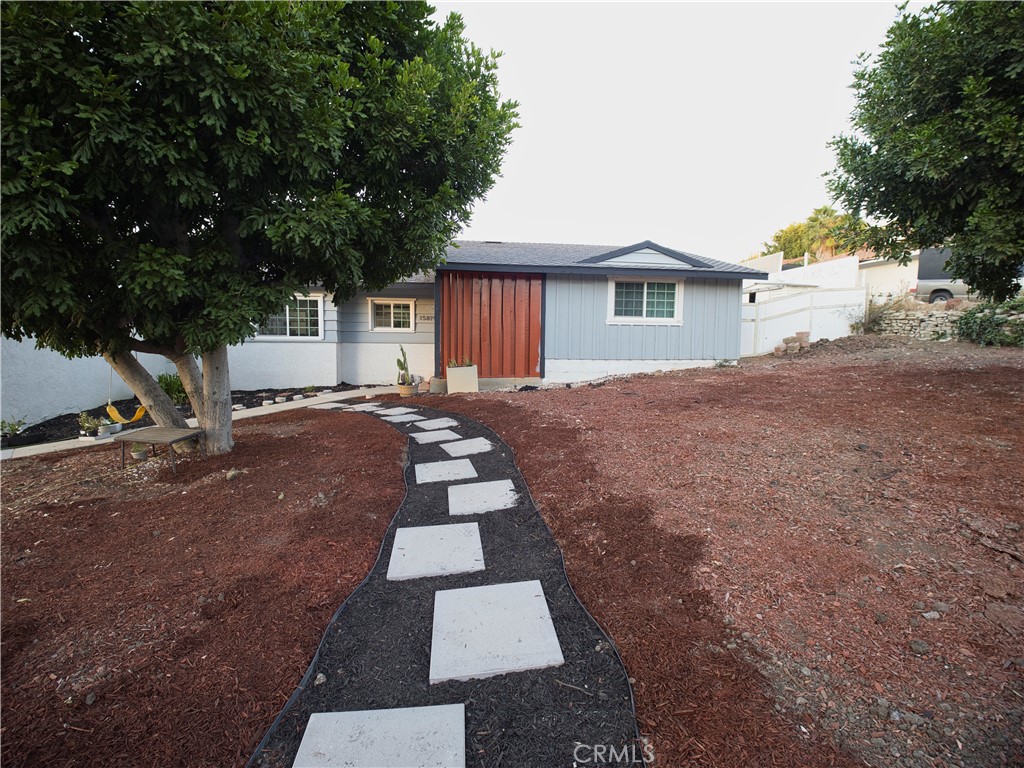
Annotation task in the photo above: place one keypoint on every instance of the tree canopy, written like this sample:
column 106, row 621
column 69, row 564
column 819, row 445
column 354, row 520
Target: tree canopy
column 937, row 155
column 823, row 234
column 173, row 172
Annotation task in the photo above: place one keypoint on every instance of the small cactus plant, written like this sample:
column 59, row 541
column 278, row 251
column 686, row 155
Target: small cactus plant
column 404, row 377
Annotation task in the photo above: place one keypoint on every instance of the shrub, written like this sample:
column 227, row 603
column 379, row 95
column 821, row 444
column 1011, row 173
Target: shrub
column 875, row 314
column 11, row 428
column 172, row 387
column 997, row 325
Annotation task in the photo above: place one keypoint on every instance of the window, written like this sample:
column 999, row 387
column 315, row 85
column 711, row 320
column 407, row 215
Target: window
column 298, row 318
column 392, row 315
column 643, row 302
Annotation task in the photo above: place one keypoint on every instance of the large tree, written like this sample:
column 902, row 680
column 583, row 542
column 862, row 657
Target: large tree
column 174, row 172
column 937, row 155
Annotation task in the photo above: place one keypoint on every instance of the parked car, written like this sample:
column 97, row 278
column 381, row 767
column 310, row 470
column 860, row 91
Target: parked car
column 934, row 283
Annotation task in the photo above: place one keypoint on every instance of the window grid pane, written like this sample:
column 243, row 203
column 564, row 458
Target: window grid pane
column 393, row 315
column 304, row 320
column 629, row 300
column 401, row 316
column 661, row 300
column 275, row 325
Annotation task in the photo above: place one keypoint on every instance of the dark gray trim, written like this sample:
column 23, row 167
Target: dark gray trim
column 543, row 314
column 686, row 258
column 437, row 328
column 703, row 274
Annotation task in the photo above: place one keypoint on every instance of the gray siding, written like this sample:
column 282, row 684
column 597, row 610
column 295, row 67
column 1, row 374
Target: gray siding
column 576, row 327
column 353, row 317
column 331, row 333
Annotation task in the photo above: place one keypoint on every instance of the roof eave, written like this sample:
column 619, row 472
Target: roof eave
column 570, row 269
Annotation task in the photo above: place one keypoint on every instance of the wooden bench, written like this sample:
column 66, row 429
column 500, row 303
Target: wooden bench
column 155, row 436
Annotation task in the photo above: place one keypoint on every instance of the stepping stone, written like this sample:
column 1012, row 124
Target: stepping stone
column 475, row 498
column 438, row 423
column 439, row 471
column 492, row 630
column 411, row 737
column 437, row 436
column 403, row 419
column 395, row 411
column 364, row 407
column 468, row 447
column 436, row 550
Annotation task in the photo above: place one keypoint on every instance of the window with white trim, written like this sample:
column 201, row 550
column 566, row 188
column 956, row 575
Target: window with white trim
column 639, row 301
column 299, row 318
column 393, row 315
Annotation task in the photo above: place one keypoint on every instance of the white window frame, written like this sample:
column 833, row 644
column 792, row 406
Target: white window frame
column 676, row 319
column 374, row 300
column 319, row 298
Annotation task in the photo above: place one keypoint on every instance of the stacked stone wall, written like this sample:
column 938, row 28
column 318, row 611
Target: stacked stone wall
column 921, row 325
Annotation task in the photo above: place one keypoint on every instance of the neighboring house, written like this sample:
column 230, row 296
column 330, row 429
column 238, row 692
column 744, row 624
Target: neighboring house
column 526, row 313
column 886, row 280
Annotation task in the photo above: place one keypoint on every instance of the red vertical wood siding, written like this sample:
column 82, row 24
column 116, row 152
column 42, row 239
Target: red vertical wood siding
column 494, row 319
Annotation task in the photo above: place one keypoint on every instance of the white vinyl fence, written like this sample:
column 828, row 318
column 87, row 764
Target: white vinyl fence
column 826, row 312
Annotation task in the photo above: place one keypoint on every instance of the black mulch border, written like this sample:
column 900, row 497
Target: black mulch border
column 375, row 653
column 65, row 426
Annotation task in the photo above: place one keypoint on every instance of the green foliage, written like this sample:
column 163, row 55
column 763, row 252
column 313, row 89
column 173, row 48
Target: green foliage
column 173, row 172
column 997, row 325
column 171, row 384
column 9, row 428
column 404, row 377
column 466, row 362
column 937, row 158
column 875, row 315
column 87, row 423
column 826, row 232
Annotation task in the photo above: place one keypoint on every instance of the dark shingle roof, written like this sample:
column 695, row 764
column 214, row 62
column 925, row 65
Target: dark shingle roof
column 584, row 259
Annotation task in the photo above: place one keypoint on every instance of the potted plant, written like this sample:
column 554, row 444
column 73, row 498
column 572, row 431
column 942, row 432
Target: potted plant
column 107, row 427
column 8, row 429
column 87, row 425
column 406, row 385
column 139, row 451
column 462, row 377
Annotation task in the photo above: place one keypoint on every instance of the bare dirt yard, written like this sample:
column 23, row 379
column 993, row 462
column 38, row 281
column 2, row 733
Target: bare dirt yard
column 804, row 561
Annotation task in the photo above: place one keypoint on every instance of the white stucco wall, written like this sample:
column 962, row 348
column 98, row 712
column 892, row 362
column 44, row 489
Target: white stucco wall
column 38, row 384
column 283, row 363
column 886, row 280
column 835, row 273
column 369, row 363
column 572, row 371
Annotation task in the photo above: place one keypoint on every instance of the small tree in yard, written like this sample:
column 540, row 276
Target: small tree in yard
column 938, row 153
column 174, row 172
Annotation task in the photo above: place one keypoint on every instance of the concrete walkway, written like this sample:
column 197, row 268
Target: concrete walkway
column 465, row 645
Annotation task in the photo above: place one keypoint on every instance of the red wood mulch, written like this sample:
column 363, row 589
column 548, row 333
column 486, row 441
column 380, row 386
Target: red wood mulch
column 762, row 543
column 159, row 620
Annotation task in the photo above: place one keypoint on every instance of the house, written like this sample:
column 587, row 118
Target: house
column 539, row 312
column 526, row 313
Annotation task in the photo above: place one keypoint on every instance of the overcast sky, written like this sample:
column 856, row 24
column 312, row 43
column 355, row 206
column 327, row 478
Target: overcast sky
column 700, row 126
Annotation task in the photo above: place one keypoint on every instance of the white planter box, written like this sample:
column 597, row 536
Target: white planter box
column 463, row 379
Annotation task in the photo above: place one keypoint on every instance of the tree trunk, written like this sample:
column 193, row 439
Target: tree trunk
column 217, row 399
column 146, row 388
column 209, row 391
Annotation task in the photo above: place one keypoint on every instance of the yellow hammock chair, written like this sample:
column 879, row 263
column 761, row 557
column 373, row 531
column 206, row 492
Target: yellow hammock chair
column 112, row 411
